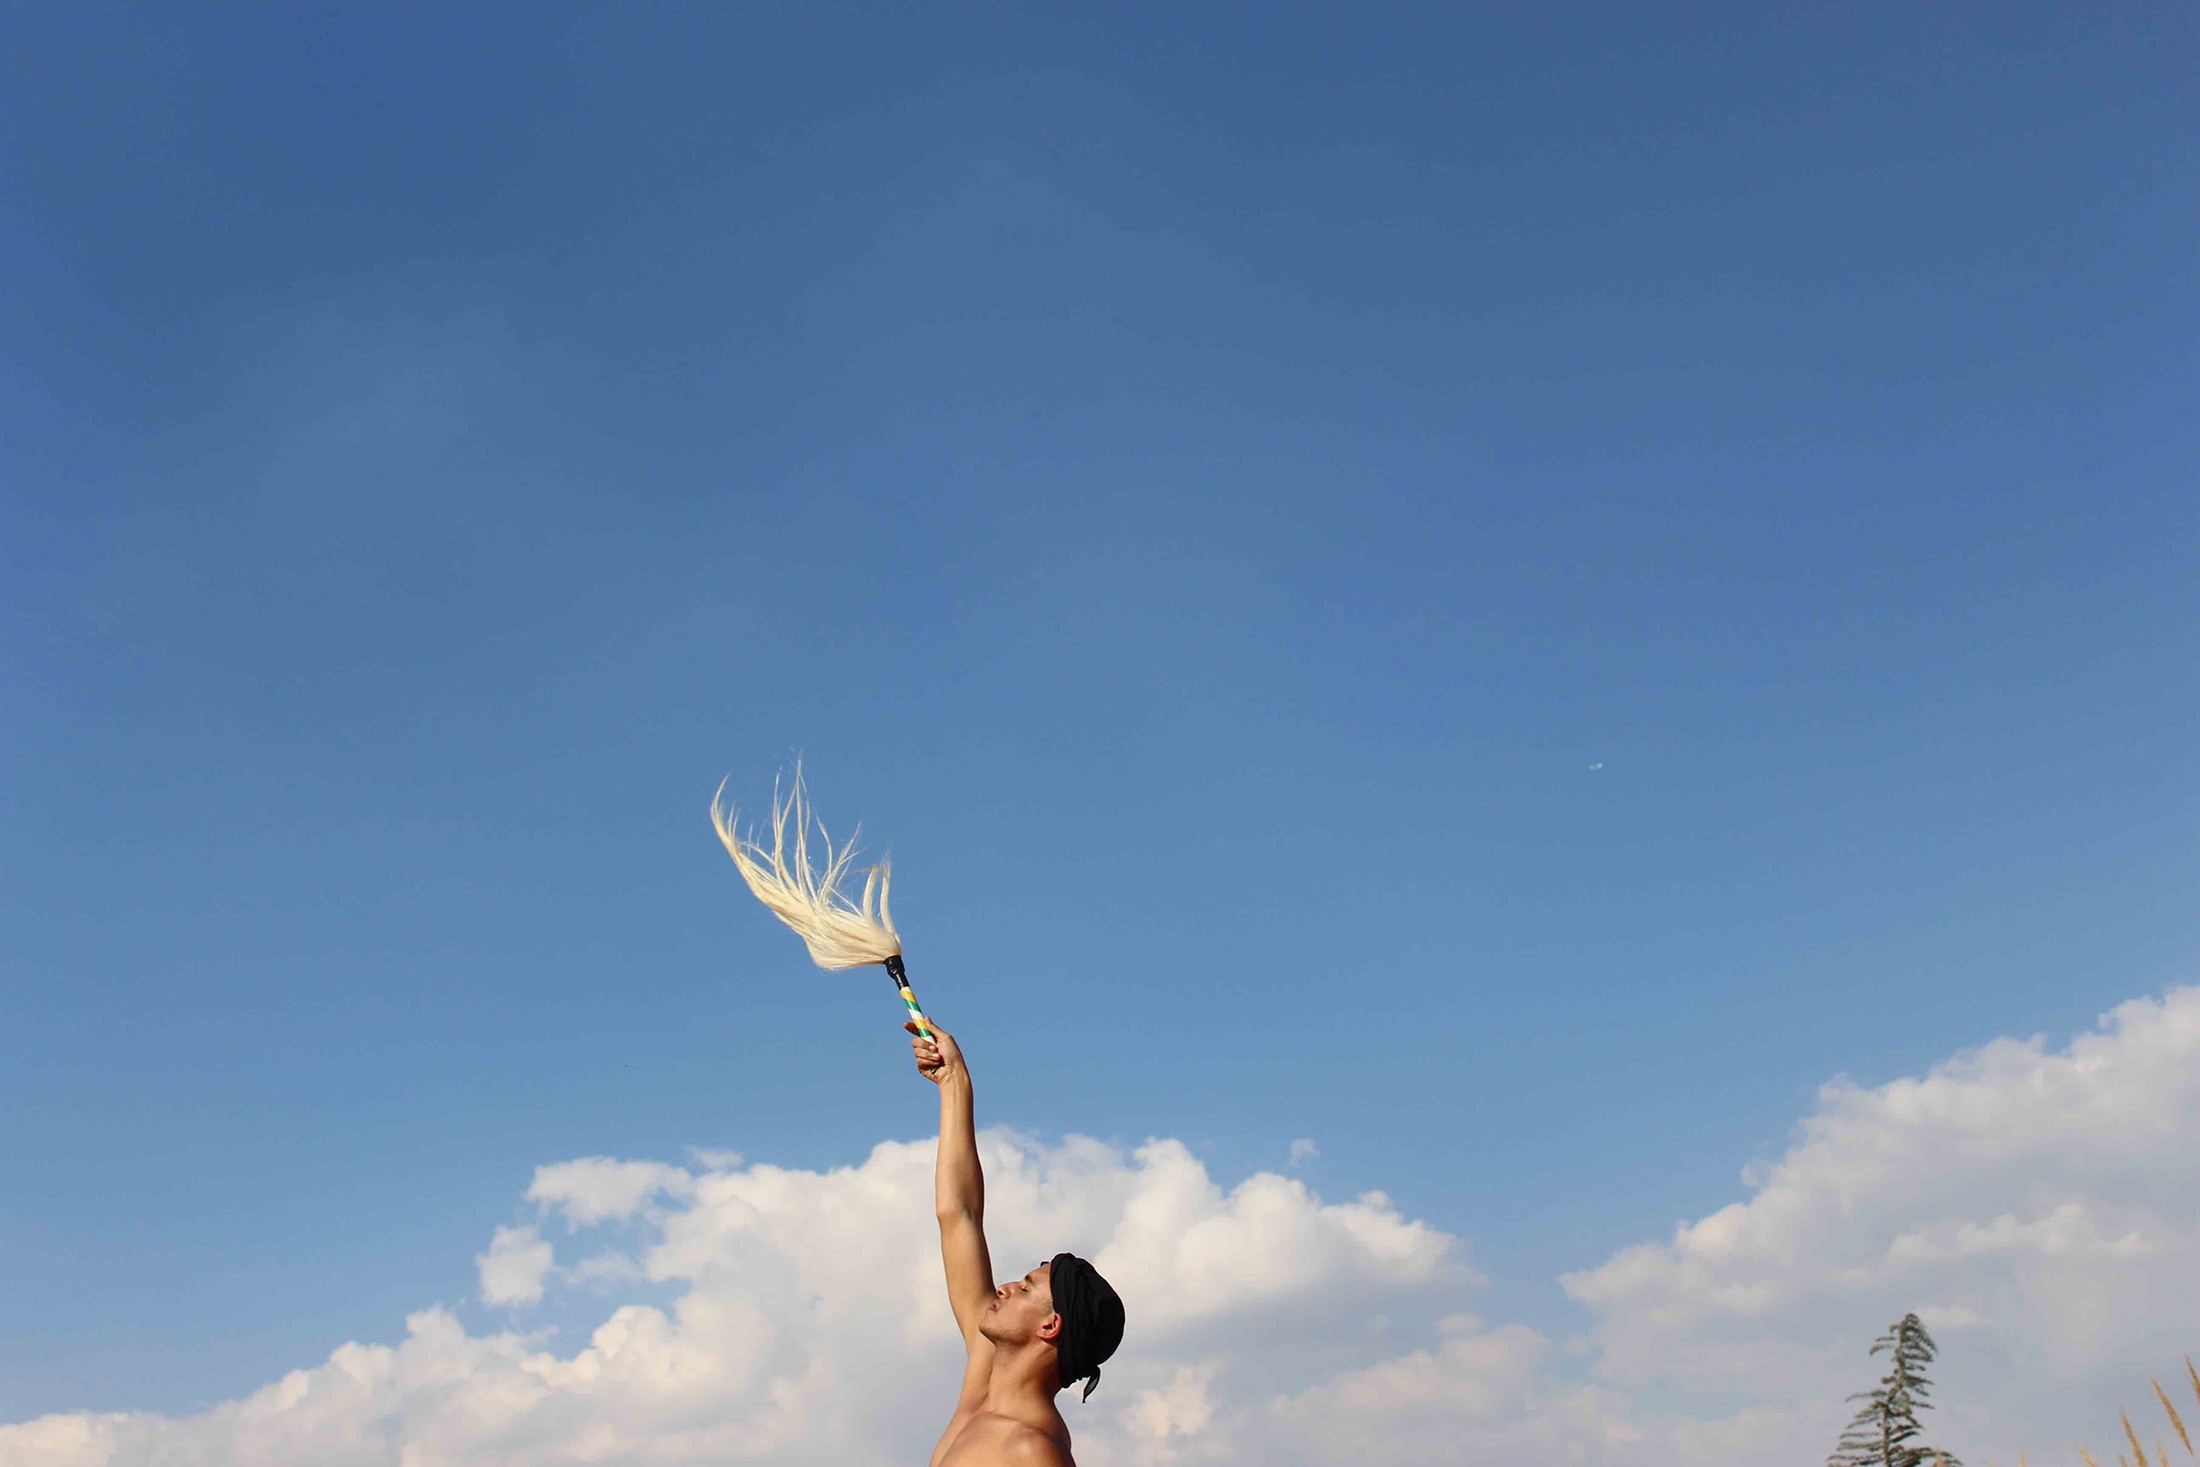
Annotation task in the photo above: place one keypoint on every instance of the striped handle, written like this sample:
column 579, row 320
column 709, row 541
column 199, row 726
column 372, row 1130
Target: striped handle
column 908, row 995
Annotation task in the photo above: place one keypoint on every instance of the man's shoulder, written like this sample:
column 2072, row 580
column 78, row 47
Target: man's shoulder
column 1027, row 1446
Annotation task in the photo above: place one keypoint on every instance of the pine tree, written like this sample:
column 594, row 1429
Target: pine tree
column 1885, row 1430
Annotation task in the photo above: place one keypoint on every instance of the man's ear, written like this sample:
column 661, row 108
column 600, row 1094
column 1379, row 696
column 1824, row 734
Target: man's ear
column 1050, row 1328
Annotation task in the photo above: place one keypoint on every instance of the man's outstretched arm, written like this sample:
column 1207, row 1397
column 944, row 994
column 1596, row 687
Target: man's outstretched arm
column 958, row 1183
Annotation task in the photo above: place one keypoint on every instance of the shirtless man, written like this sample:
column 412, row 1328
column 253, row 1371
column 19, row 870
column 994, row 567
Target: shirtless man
column 1026, row 1339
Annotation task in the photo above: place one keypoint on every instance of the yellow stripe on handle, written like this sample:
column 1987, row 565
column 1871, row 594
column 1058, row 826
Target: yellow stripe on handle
column 908, row 995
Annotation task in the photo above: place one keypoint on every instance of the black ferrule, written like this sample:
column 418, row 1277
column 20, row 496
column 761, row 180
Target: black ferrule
column 895, row 972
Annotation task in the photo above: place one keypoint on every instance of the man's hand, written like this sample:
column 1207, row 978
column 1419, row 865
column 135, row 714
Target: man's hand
column 939, row 1057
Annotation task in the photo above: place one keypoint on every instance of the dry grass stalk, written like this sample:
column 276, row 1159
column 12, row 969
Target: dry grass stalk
column 2133, row 1437
column 2161, row 1448
column 2174, row 1419
column 839, row 931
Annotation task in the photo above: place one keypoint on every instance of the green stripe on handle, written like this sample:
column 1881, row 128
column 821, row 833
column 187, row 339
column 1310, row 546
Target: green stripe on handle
column 908, row 995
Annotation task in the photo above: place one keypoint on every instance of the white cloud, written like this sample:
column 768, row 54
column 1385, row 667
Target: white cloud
column 1303, row 1151
column 598, row 1189
column 808, row 1324
column 713, row 1160
column 2043, row 1204
column 512, row 1270
column 1166, row 1417
column 2039, row 1207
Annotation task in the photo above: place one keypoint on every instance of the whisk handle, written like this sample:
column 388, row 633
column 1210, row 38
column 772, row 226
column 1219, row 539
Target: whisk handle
column 908, row 995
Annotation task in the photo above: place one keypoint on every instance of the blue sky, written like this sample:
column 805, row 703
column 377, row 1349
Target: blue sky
column 1508, row 594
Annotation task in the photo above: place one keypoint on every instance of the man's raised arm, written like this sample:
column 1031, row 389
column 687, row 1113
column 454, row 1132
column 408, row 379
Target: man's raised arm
column 958, row 1181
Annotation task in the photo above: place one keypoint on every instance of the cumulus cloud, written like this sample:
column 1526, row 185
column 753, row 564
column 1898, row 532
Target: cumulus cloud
column 2039, row 1208
column 596, row 1189
column 512, row 1270
column 2036, row 1205
column 808, row 1323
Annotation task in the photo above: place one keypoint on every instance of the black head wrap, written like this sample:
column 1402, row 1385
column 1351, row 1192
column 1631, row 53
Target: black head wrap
column 1092, row 1320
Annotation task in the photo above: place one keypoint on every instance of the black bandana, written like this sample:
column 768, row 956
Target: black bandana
column 1092, row 1320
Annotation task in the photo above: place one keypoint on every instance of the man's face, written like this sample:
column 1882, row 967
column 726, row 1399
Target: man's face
column 1022, row 1310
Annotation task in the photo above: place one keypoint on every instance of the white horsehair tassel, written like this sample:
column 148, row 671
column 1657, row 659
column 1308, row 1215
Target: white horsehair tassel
column 839, row 930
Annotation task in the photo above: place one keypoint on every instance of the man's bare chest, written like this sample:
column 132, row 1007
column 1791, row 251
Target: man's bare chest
column 984, row 1439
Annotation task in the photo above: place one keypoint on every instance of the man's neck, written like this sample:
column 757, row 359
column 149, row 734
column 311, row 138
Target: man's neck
column 1023, row 1384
